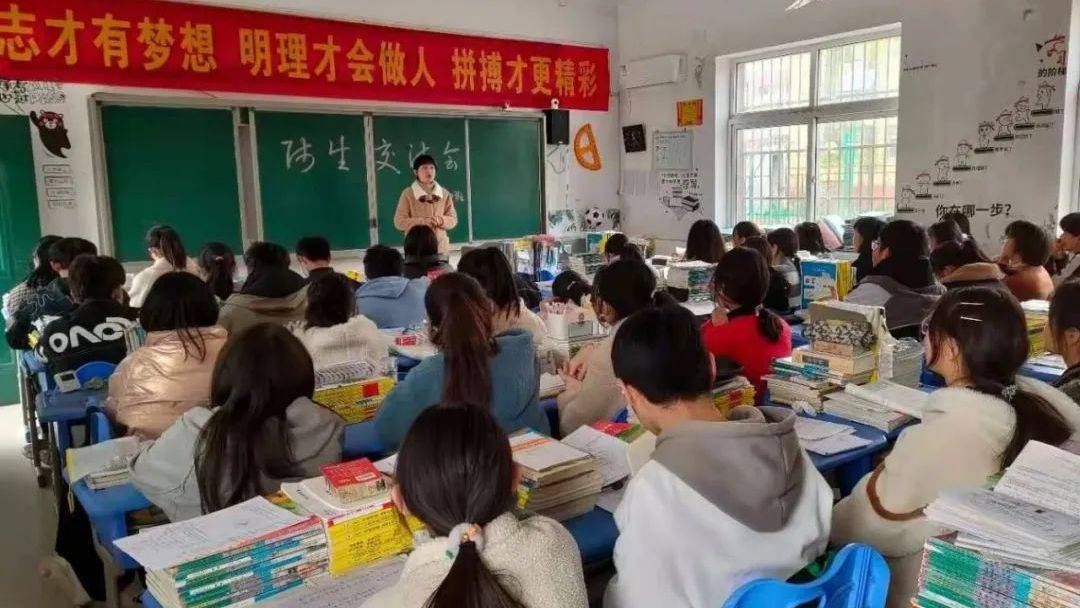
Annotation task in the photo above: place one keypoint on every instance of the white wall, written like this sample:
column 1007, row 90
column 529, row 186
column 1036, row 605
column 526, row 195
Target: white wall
column 984, row 50
column 590, row 22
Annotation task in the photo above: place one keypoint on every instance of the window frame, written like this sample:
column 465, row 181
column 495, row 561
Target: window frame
column 810, row 115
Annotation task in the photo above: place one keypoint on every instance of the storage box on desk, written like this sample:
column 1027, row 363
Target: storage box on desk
column 570, row 323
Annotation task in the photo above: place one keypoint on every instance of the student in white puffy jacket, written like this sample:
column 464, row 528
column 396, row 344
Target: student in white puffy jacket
column 335, row 335
column 724, row 500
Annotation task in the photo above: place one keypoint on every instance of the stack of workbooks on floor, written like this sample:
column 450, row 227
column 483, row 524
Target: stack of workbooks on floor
column 233, row 557
column 694, row 277
column 732, row 394
column 884, row 404
column 352, row 502
column 558, row 481
column 102, row 465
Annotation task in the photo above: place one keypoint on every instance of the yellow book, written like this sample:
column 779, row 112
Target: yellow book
column 355, row 401
column 367, row 535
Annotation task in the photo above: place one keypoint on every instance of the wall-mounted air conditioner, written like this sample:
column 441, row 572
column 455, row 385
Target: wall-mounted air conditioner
column 664, row 69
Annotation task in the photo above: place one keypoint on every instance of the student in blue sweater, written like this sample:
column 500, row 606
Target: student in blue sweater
column 387, row 298
column 473, row 366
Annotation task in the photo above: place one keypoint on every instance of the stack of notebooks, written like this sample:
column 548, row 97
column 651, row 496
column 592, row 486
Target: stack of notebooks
column 104, row 464
column 791, row 383
column 586, row 264
column 731, row 395
column 557, row 481
column 842, row 368
column 884, row 405
column 1037, row 315
column 355, row 401
column 234, row 557
column 907, row 362
column 693, row 277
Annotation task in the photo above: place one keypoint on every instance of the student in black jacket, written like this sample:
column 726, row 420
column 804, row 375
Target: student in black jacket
column 94, row 331
column 53, row 300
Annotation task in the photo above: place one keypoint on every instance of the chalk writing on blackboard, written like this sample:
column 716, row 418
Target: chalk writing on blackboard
column 384, row 158
column 298, row 155
column 340, row 151
column 448, row 155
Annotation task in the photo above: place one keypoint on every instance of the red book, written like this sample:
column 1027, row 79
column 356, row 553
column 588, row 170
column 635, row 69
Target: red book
column 354, row 480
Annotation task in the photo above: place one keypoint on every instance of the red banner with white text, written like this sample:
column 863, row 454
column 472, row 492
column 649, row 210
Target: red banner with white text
column 172, row 45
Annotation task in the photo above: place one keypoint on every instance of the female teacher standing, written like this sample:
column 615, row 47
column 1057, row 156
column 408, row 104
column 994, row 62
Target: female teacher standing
column 426, row 203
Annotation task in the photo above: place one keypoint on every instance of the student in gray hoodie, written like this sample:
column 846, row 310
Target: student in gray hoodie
column 387, row 298
column 271, row 293
column 723, row 500
column 261, row 429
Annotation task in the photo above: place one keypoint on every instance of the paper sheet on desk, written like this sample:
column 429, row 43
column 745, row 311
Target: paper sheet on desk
column 835, row 444
column 348, row 591
column 163, row 546
column 1045, row 475
column 610, row 452
column 811, row 429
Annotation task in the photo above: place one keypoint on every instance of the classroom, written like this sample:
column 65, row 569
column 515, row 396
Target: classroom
column 540, row 303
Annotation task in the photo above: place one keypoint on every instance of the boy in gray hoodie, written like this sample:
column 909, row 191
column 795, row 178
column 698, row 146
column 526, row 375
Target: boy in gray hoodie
column 723, row 500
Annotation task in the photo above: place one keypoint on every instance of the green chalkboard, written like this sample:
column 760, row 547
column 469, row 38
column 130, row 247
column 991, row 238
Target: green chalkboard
column 400, row 139
column 171, row 166
column 313, row 178
column 505, row 163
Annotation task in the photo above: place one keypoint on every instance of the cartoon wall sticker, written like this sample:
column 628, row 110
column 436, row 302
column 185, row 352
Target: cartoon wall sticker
column 963, row 156
column 1004, row 126
column 906, row 200
column 1022, row 114
column 922, row 185
column 986, row 136
column 942, row 167
column 51, row 130
column 1044, row 99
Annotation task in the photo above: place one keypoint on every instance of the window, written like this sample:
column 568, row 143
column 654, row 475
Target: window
column 814, row 132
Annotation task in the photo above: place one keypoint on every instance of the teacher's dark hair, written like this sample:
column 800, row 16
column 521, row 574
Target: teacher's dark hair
column 258, row 374
column 461, row 326
column 420, row 241
column 455, row 466
column 492, row 270
column 423, row 159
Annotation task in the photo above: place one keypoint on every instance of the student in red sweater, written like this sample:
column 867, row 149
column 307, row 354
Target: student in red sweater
column 741, row 328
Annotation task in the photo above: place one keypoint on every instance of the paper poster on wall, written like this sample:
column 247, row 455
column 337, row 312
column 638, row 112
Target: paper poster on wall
column 680, row 192
column 48, row 135
column 690, row 112
column 673, row 150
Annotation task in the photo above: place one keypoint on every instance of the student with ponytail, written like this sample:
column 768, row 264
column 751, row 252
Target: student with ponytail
column 619, row 290
column 499, row 373
column 456, row 474
column 168, row 255
column 217, row 265
column 970, row 432
column 741, row 328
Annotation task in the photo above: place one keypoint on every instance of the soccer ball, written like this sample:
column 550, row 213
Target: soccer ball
column 594, row 218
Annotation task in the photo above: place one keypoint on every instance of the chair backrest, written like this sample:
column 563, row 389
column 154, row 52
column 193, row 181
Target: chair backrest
column 95, row 370
column 99, row 428
column 857, row 578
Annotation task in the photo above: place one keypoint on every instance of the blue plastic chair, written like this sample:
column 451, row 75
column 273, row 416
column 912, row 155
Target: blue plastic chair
column 95, row 370
column 858, row 577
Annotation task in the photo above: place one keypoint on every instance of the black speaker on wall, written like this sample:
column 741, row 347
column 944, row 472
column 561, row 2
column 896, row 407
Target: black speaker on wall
column 557, row 126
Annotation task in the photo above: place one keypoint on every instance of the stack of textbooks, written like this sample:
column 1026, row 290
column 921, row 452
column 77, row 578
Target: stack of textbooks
column 355, row 401
column 557, row 481
column 586, row 264
column 791, row 383
column 102, row 465
column 825, row 279
column 843, row 369
column 731, row 395
column 234, row 557
column 906, row 363
column 694, row 277
column 1037, row 315
column 884, row 405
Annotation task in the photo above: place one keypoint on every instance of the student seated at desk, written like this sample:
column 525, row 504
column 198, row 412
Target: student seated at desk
column 811, row 240
column 721, row 501
column 334, row 334
column 570, row 286
column 619, row 290
column 168, row 255
column 217, row 266
column 961, row 264
column 1065, row 258
column 742, row 231
column 784, row 257
column 1024, row 255
column 473, row 365
column 94, row 331
column 491, row 269
column 422, row 257
column 261, row 429
column 902, row 280
column 313, row 255
column 1063, row 335
column 387, row 298
column 170, row 373
column 777, row 297
column 456, row 474
column 741, row 328
column 41, row 275
column 53, row 300
column 704, row 243
column 271, row 294
column 971, row 430
column 866, row 232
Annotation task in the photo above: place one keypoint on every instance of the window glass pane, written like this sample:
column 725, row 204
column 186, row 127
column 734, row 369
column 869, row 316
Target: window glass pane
column 856, row 167
column 859, row 71
column 774, row 84
column 771, row 174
